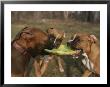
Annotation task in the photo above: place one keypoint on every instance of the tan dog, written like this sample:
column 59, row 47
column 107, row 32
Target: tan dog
column 91, row 51
column 55, row 39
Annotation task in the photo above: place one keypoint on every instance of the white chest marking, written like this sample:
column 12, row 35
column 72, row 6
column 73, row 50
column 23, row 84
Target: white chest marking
column 87, row 62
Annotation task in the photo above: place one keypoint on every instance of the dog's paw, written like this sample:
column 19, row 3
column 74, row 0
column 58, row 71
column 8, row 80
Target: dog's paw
column 61, row 69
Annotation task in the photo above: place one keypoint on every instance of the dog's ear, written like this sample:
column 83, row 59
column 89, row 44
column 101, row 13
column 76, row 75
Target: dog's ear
column 27, row 35
column 93, row 38
column 49, row 30
column 18, row 36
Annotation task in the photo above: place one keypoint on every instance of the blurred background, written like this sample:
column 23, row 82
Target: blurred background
column 68, row 21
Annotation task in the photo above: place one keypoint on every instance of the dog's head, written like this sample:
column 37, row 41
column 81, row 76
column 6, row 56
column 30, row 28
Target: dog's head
column 82, row 41
column 55, row 37
column 30, row 38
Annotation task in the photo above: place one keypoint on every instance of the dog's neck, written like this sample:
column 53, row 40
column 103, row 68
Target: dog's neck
column 94, row 51
column 20, row 48
column 22, row 43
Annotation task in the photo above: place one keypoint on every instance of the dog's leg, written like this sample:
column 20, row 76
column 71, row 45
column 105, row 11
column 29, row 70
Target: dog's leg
column 45, row 64
column 26, row 73
column 41, row 62
column 28, row 68
column 37, row 68
column 44, row 67
column 87, row 73
column 59, row 64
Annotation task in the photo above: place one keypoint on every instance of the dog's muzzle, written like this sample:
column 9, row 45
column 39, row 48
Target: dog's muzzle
column 69, row 42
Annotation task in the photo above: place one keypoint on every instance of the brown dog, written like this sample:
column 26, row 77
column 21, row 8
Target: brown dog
column 30, row 43
column 91, row 51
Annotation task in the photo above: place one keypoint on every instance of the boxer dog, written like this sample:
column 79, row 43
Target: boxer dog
column 30, row 43
column 91, row 51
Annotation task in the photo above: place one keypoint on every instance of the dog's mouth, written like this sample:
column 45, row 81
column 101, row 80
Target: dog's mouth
column 57, row 43
column 73, row 43
column 54, row 42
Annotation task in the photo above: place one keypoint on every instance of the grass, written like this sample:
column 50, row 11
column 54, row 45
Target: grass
column 72, row 67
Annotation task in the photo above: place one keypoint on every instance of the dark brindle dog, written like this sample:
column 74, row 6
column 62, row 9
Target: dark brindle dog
column 30, row 43
column 89, row 44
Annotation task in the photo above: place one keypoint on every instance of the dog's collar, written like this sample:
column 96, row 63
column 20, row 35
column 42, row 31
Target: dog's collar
column 20, row 48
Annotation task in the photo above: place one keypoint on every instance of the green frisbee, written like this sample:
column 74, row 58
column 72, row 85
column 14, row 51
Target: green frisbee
column 62, row 50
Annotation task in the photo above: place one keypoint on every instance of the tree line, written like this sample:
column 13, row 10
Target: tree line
column 85, row 16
